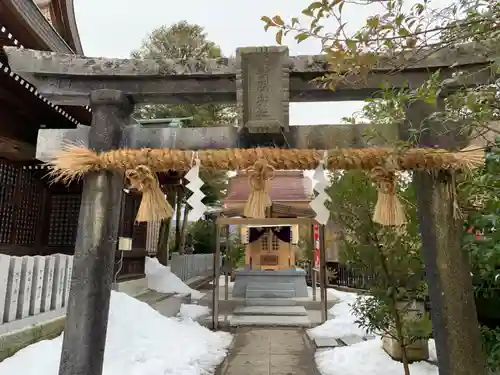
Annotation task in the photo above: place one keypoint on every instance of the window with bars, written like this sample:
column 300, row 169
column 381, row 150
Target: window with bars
column 275, row 243
column 264, row 240
column 63, row 222
column 21, row 196
column 28, row 208
column 8, row 178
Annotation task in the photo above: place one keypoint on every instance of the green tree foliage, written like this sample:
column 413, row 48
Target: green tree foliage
column 403, row 33
column 481, row 198
column 391, row 255
column 202, row 234
column 406, row 32
column 183, row 41
column 482, row 241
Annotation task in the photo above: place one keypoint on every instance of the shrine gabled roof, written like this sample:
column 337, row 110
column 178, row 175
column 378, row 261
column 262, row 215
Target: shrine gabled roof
column 277, row 209
column 286, row 186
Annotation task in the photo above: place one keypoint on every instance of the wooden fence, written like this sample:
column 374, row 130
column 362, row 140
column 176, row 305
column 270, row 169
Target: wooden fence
column 31, row 285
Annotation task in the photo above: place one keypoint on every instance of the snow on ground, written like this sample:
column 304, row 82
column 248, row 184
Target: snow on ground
column 161, row 279
column 341, row 322
column 366, row 358
column 346, row 360
column 140, row 341
column 193, row 312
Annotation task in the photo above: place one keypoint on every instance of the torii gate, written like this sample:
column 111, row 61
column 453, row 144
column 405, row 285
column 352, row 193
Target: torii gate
column 262, row 81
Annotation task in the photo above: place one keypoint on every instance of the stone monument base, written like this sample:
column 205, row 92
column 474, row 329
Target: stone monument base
column 270, row 284
column 417, row 351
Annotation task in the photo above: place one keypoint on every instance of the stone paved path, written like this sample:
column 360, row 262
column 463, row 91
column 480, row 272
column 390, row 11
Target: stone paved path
column 270, row 351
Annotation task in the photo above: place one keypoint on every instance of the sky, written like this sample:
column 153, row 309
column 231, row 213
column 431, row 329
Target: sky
column 114, row 28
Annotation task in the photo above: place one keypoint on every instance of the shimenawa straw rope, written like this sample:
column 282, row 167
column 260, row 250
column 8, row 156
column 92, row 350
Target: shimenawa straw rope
column 74, row 161
column 388, row 210
column 258, row 200
column 154, row 205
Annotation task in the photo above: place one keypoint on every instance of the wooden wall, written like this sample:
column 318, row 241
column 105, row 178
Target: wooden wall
column 37, row 218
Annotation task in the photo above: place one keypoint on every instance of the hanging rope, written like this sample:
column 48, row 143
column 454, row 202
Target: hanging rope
column 154, row 205
column 388, row 210
column 258, row 199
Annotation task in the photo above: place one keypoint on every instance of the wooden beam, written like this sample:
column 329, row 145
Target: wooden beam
column 42, row 35
column 14, row 149
column 266, row 221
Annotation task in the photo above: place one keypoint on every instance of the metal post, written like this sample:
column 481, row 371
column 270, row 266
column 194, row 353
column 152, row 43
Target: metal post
column 226, row 267
column 88, row 305
column 322, row 273
column 215, row 296
column 313, row 263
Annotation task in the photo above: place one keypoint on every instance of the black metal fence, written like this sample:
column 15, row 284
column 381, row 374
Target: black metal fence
column 341, row 275
column 351, row 277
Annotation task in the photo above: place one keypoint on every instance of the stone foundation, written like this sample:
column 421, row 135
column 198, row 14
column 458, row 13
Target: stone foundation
column 418, row 351
column 270, row 284
column 132, row 287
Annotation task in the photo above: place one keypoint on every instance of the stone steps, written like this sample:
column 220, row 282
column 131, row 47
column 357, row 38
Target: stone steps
column 270, row 290
column 270, row 285
column 269, row 293
column 269, row 321
column 270, row 302
column 271, row 310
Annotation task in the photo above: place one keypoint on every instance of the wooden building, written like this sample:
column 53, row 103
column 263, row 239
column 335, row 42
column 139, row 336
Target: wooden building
column 272, row 248
column 37, row 218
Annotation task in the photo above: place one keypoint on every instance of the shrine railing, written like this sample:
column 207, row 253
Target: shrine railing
column 189, row 266
column 32, row 285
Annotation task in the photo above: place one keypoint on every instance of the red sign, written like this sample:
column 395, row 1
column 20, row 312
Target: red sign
column 316, row 242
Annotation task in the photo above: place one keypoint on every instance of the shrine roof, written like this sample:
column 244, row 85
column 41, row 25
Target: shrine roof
column 278, row 210
column 286, row 186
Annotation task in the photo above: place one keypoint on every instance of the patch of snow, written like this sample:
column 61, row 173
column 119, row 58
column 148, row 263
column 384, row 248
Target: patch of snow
column 346, row 360
column 161, row 279
column 140, row 341
column 342, row 321
column 432, row 351
column 193, row 312
column 366, row 358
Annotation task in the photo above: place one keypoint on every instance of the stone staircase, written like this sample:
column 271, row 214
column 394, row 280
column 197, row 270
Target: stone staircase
column 270, row 304
column 270, row 290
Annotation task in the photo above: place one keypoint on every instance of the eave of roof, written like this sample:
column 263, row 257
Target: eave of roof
column 286, row 186
column 32, row 17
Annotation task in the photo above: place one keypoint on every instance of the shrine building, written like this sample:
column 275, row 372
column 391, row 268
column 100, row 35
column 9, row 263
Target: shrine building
column 271, row 247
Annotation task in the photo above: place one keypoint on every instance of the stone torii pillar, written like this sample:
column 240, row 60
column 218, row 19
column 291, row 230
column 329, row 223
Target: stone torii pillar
column 96, row 241
column 453, row 311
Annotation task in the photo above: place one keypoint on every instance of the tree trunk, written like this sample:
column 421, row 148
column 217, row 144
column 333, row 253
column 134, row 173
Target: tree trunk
column 394, row 308
column 182, row 243
column 162, row 249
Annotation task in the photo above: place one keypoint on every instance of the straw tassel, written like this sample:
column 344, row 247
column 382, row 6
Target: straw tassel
column 154, row 205
column 389, row 210
column 259, row 200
